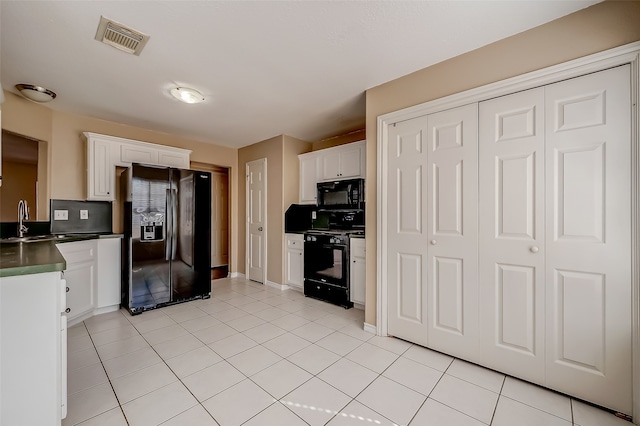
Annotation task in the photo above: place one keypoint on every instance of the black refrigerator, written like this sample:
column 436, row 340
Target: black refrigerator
column 167, row 236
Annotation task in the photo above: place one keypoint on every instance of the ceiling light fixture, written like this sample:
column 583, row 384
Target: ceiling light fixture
column 36, row 93
column 187, row 95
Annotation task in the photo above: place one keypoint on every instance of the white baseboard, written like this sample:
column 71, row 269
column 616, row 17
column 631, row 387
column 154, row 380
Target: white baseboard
column 276, row 285
column 235, row 275
column 370, row 328
column 358, row 306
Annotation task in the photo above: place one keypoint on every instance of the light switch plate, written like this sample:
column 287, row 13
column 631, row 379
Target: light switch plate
column 84, row 214
column 61, row 215
column 313, row 215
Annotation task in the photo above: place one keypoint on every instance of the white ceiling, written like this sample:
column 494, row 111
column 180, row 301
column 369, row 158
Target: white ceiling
column 267, row 68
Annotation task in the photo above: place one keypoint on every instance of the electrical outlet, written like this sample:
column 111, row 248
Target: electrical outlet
column 61, row 215
column 313, row 215
column 84, row 214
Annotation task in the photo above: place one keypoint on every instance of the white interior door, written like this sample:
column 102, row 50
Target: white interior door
column 256, row 206
column 452, row 230
column 512, row 249
column 219, row 219
column 407, row 231
column 588, row 234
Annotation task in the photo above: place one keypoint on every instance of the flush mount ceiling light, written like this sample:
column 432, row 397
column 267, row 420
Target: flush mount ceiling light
column 36, row 93
column 187, row 95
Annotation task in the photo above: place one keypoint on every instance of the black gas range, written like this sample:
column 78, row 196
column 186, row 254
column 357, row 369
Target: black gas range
column 326, row 265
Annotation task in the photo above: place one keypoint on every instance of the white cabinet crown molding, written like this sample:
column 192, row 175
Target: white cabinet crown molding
column 118, row 140
column 105, row 152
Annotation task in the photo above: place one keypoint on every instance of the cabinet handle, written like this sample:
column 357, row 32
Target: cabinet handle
column 300, row 254
column 434, row 242
column 67, row 310
column 67, row 289
column 533, row 249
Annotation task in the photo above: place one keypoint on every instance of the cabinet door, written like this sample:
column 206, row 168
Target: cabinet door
column 452, row 231
column 358, row 271
column 109, row 278
column 132, row 153
column 350, row 163
column 80, row 279
column 173, row 159
column 406, row 206
column 81, row 276
column 309, row 166
column 588, row 237
column 331, row 165
column 101, row 171
column 295, row 267
column 512, row 234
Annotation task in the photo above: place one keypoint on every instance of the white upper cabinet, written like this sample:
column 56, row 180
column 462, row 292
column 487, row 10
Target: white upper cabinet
column 345, row 161
column 100, row 170
column 336, row 163
column 104, row 153
column 309, row 170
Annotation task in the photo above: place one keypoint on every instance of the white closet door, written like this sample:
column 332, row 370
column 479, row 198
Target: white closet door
column 588, row 232
column 452, row 231
column 407, row 231
column 512, row 234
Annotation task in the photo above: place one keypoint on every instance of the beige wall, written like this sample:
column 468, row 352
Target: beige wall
column 271, row 149
column 21, row 186
column 67, row 151
column 283, row 188
column 600, row 27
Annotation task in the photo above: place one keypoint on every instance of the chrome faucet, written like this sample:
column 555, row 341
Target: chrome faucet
column 23, row 214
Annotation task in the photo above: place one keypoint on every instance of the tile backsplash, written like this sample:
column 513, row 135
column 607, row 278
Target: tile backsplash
column 80, row 217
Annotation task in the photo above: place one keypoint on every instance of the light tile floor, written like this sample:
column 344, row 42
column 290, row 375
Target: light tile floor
column 252, row 355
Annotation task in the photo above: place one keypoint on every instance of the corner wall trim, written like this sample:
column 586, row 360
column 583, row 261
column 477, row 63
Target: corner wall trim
column 276, row 285
column 370, row 328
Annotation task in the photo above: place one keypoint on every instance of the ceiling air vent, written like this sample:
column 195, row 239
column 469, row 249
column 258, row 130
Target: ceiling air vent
column 122, row 38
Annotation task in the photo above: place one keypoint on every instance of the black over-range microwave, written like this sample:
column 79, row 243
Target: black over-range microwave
column 342, row 194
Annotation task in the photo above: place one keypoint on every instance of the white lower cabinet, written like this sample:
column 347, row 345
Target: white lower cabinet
column 294, row 263
column 93, row 277
column 33, row 350
column 109, row 274
column 519, row 259
column 81, row 275
column 357, row 270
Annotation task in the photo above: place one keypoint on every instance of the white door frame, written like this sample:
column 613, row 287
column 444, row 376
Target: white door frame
column 627, row 54
column 264, row 215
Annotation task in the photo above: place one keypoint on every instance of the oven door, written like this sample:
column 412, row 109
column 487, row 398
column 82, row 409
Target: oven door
column 326, row 262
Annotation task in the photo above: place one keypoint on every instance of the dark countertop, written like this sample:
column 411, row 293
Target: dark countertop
column 30, row 258
column 36, row 257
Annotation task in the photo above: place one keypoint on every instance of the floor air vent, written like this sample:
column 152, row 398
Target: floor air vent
column 122, row 38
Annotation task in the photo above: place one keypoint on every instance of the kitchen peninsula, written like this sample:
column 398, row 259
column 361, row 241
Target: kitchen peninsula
column 33, row 334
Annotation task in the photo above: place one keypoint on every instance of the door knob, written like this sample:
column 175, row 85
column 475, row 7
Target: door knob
column 260, row 229
column 533, row 249
column 434, row 242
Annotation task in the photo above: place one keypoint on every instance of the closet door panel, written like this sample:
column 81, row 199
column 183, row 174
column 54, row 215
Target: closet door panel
column 452, row 248
column 588, row 272
column 407, row 228
column 511, row 217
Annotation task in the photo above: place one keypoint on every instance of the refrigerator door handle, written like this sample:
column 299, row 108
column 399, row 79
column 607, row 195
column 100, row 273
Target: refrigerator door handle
column 169, row 223
column 174, row 222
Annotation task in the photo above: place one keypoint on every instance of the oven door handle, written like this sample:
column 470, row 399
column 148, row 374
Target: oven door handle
column 332, row 246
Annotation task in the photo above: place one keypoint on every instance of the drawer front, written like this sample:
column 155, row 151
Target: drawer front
column 295, row 244
column 358, row 247
column 79, row 251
